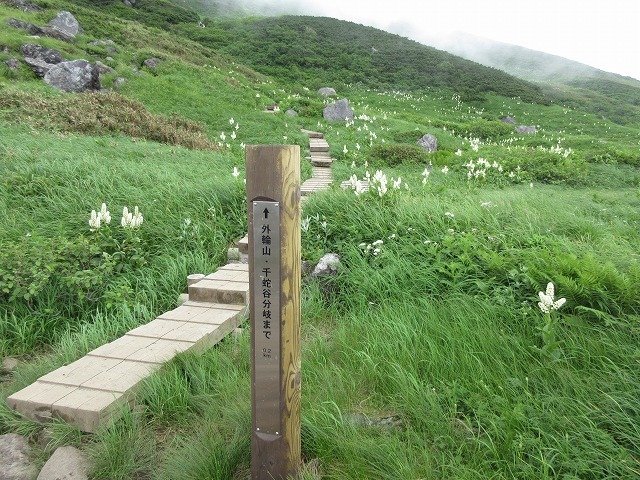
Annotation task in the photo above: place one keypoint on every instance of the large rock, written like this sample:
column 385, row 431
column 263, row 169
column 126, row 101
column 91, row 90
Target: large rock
column 104, row 69
column 13, row 64
column 291, row 113
column 528, row 130
column 327, row 92
column 15, row 463
column 35, row 30
column 339, row 110
column 66, row 463
column 152, row 62
column 328, row 265
column 39, row 58
column 74, row 76
column 66, row 23
column 22, row 25
column 429, row 143
column 509, row 120
column 22, row 5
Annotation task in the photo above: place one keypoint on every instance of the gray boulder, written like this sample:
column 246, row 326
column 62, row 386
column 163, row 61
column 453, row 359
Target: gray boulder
column 22, row 25
column 22, row 5
column 129, row 3
column 328, row 265
column 13, row 64
column 66, row 23
column 152, row 62
column 66, row 463
column 14, row 458
column 327, row 92
column 9, row 365
column 291, row 113
column 104, row 69
column 339, row 110
column 74, row 76
column 35, row 30
column 429, row 143
column 509, row 120
column 528, row 130
column 39, row 58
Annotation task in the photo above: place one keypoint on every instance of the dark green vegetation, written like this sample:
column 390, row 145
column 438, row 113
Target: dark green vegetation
column 438, row 330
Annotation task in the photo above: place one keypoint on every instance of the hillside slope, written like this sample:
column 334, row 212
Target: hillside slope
column 607, row 94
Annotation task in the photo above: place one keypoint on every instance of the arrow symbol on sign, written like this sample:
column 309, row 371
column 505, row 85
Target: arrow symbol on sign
column 266, row 213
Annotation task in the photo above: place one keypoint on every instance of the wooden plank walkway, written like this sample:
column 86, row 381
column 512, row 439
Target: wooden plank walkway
column 96, row 388
column 321, row 160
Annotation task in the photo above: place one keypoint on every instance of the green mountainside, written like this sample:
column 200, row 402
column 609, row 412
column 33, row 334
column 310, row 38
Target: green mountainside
column 433, row 353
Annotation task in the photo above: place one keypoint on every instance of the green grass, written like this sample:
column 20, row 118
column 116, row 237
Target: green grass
column 439, row 331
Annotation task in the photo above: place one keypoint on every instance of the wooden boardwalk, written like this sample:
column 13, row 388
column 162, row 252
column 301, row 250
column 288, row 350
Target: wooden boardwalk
column 98, row 387
column 321, row 160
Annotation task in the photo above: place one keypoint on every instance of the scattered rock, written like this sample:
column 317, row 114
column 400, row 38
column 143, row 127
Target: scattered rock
column 66, row 23
column 66, row 463
column 35, row 30
column 291, row 113
column 22, row 5
column 13, row 64
column 14, row 458
column 152, row 62
column 327, row 92
column 9, row 365
column 358, row 419
column 74, row 76
column 108, row 45
column 22, row 25
column 528, row 130
column 118, row 82
column 510, row 120
column 39, row 58
column 5, row 50
column 129, row 3
column 429, row 143
column 339, row 110
column 328, row 265
column 104, row 69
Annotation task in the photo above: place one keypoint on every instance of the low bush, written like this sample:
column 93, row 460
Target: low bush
column 391, row 155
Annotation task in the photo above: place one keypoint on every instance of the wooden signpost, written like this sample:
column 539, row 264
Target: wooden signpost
column 273, row 198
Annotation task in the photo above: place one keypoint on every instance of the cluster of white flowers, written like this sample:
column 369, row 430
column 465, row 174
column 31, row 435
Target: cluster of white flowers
column 479, row 169
column 379, row 182
column 547, row 303
column 233, row 135
column 103, row 217
column 372, row 248
column 98, row 218
column 131, row 220
column 356, row 185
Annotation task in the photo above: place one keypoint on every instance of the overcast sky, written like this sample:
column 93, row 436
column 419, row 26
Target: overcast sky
column 603, row 34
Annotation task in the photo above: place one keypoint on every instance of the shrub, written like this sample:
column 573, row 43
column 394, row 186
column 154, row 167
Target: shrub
column 396, row 154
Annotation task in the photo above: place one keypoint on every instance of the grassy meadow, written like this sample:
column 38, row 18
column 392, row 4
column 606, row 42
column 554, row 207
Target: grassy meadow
column 427, row 357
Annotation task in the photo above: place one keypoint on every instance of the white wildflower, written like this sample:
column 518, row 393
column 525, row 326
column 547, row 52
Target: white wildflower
column 547, row 303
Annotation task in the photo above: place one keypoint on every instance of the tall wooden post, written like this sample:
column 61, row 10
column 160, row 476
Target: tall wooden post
column 273, row 198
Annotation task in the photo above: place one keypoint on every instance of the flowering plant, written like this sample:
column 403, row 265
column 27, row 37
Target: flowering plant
column 548, row 332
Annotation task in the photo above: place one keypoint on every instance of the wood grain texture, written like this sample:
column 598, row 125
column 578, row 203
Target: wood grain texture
column 273, row 174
